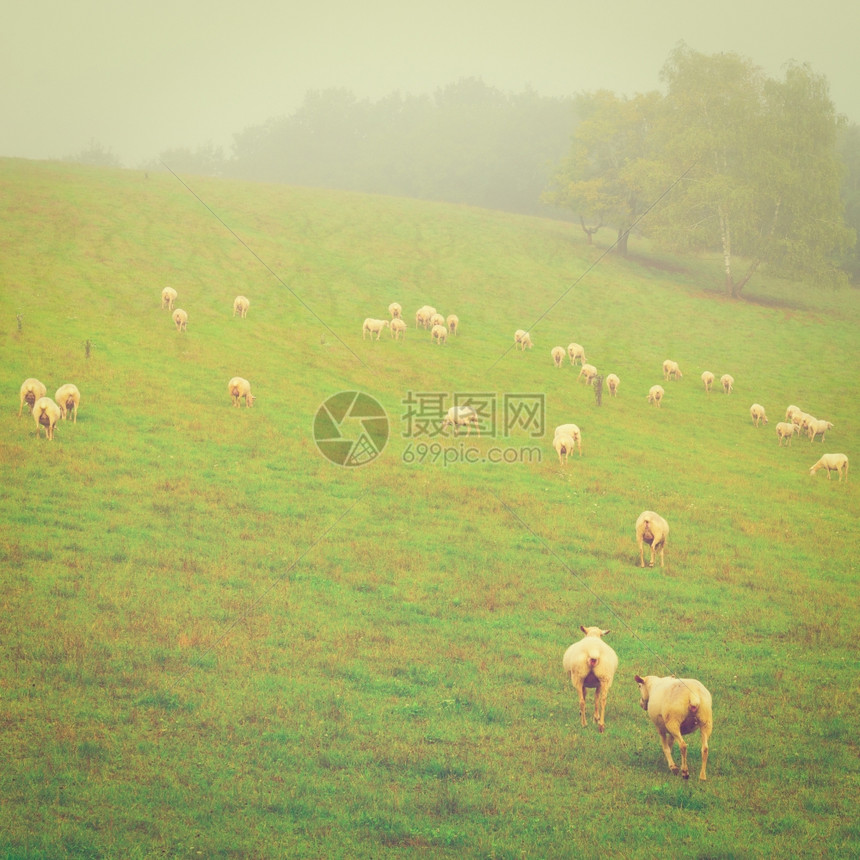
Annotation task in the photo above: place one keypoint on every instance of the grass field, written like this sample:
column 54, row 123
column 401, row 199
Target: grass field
column 216, row 642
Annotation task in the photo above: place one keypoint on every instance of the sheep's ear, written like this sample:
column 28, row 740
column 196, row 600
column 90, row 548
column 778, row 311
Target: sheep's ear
column 639, row 680
column 582, row 628
column 605, row 632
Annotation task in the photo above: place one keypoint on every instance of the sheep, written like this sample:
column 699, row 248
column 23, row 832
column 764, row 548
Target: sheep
column 590, row 662
column 791, row 412
column 613, row 382
column 570, row 430
column 589, row 371
column 707, row 381
column 757, row 414
column 422, row 316
column 727, row 382
column 373, row 327
column 816, row 427
column 786, row 430
column 652, row 529
column 240, row 389
column 398, row 328
column 437, row 319
column 68, row 398
column 458, row 416
column 453, row 323
column 31, row 391
column 168, row 297
column 557, row 353
column 46, row 414
column 181, row 319
column 563, row 444
column 575, row 351
column 522, row 339
column 802, row 420
column 439, row 334
column 655, row 394
column 395, row 310
column 833, row 463
column 240, row 306
column 671, row 370
column 677, row 707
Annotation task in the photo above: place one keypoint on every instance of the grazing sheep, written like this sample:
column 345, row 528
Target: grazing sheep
column 240, row 389
column 240, row 306
column 522, row 339
column 708, row 381
column 181, row 319
column 68, row 398
column 570, row 430
column 563, row 445
column 398, row 328
column 590, row 662
column 655, row 394
column 168, row 297
column 458, row 416
column 727, row 382
column 453, row 323
column 802, row 420
column 557, row 353
column 46, row 414
column 439, row 334
column 757, row 414
column 613, row 382
column 833, row 463
column 677, row 707
column 423, row 315
column 395, row 310
column 652, row 529
column 576, row 352
column 31, row 391
column 671, row 370
column 373, row 327
column 437, row 319
column 589, row 371
column 785, row 430
column 791, row 412
column 817, row 428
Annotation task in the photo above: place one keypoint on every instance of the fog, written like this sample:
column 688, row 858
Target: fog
column 139, row 78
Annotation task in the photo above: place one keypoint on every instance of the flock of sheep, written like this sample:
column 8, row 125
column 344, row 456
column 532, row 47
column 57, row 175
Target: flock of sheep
column 425, row 317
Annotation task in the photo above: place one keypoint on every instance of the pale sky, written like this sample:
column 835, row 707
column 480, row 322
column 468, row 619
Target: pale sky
column 141, row 77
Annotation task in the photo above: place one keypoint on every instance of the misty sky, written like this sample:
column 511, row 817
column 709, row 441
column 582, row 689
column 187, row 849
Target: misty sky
column 141, row 77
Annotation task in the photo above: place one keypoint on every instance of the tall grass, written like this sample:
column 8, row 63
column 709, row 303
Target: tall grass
column 218, row 643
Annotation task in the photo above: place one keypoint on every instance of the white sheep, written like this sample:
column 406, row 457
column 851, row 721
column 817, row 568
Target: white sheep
column 708, row 381
column 31, row 391
column 373, row 327
column 46, row 414
column 655, row 394
column 591, row 663
column 439, row 334
column 677, row 707
column 570, row 430
column 613, row 382
column 180, row 317
column 458, row 416
column 423, row 315
column 437, row 319
column 589, row 371
column 398, row 328
column 168, row 297
column 802, row 420
column 522, row 339
column 833, row 463
column 557, row 353
column 240, row 306
column 652, row 529
column 727, row 382
column 68, row 398
column 792, row 411
column 757, row 414
column 786, row 430
column 453, row 323
column 240, row 389
column 563, row 444
column 671, row 370
column 817, row 427
column 576, row 353
column 395, row 310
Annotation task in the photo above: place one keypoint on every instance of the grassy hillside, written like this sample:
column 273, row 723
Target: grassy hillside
column 216, row 642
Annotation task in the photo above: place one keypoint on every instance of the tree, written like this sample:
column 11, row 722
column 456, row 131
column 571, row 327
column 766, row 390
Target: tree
column 96, row 155
column 849, row 151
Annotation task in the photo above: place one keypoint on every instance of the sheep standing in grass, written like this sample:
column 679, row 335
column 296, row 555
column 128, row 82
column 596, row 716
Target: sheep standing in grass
column 453, row 323
column 652, row 529
column 437, row 319
column 68, row 398
column 677, row 707
column 240, row 389
column 817, row 428
column 563, row 445
column 728, row 383
column 588, row 372
column 181, row 319
column 833, row 463
column 707, row 381
column 570, row 430
column 576, row 353
column 168, row 297
column 373, row 327
column 395, row 310
column 240, row 306
column 757, row 414
column 439, row 334
column 458, row 416
column 398, row 328
column 423, row 315
column 46, row 414
column 591, row 663
column 557, row 353
column 613, row 382
column 31, row 391
column 786, row 430
column 671, row 370
column 522, row 339
column 655, row 394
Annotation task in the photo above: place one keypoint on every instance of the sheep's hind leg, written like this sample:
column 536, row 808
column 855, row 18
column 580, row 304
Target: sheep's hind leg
column 667, row 742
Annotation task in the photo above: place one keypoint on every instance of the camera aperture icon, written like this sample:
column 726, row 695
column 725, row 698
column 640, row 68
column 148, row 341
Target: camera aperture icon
column 351, row 428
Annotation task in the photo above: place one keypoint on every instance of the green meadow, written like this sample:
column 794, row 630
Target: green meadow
column 216, row 642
